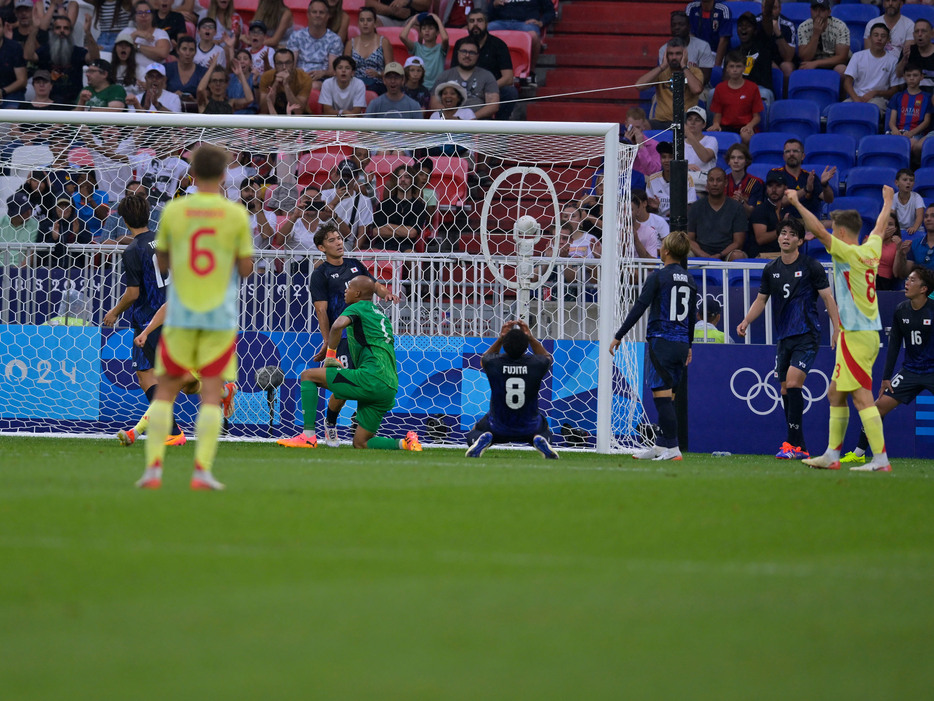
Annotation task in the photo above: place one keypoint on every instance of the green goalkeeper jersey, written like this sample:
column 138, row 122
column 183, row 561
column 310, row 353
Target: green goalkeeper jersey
column 371, row 341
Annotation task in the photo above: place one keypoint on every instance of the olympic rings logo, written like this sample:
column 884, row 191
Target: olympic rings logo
column 771, row 393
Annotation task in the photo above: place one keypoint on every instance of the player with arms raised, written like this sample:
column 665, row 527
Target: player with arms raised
column 206, row 241
column 794, row 281
column 913, row 325
column 373, row 381
column 515, row 380
column 671, row 296
column 328, row 284
column 854, row 273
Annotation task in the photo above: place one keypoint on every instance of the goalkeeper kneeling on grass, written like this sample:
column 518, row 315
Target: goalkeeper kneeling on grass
column 373, row 382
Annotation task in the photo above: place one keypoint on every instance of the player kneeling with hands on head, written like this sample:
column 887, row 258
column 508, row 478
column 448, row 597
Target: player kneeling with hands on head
column 515, row 379
column 671, row 296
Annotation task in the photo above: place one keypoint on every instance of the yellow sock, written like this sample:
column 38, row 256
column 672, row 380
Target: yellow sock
column 839, row 418
column 207, row 429
column 141, row 426
column 872, row 425
column 160, row 422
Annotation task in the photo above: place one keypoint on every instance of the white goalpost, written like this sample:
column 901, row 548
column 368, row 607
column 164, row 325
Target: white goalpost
column 501, row 203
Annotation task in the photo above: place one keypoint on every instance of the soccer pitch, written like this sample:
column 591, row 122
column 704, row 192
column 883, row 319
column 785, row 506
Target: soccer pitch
column 341, row 574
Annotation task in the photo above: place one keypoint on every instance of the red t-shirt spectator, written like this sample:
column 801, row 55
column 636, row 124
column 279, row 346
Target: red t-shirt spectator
column 736, row 107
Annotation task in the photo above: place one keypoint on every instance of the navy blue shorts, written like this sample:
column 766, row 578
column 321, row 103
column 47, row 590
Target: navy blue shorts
column 666, row 363
column 795, row 351
column 483, row 426
column 145, row 358
column 906, row 385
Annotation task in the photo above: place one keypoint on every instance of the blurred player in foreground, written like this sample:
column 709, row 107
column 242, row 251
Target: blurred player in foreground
column 515, row 379
column 854, row 271
column 913, row 325
column 671, row 296
column 206, row 241
column 794, row 281
column 373, row 381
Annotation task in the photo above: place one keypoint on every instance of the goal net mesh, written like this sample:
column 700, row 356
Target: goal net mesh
column 421, row 213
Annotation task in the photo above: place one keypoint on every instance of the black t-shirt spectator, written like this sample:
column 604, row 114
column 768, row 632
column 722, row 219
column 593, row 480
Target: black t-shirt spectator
column 66, row 80
column 11, row 56
column 494, row 55
column 173, row 24
column 759, row 55
column 765, row 213
column 42, row 37
column 925, row 64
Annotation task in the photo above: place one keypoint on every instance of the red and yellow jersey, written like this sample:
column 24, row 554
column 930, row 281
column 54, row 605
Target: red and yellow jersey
column 854, row 276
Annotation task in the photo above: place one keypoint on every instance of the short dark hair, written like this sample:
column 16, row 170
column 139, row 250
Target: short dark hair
column 880, row 25
column 428, row 22
column 794, row 140
column 904, row 171
column 284, row 50
column 185, row 39
column 515, row 342
column 676, row 42
column 134, row 210
column 796, row 225
column 206, row 20
column 638, row 196
column 734, row 57
column 322, row 233
column 209, row 162
column 926, row 275
column 344, row 59
column 914, row 67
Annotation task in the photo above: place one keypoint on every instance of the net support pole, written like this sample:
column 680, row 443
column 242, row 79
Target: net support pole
column 679, row 165
column 609, row 288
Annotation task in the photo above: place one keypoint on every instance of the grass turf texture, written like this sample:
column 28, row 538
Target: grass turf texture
column 366, row 574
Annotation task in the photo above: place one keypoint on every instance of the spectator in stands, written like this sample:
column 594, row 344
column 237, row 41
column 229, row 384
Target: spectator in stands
column 901, row 28
column 907, row 205
column 717, row 224
column 371, row 51
column 261, row 55
column 823, row 41
column 591, row 206
column 243, row 101
column 400, row 217
column 251, row 196
column 494, row 56
column 151, row 42
column 18, row 225
column 12, row 72
column 650, row 228
column 454, row 13
column 207, row 47
column 755, row 45
column 91, row 204
column 39, row 190
column 784, row 39
column 284, row 89
column 657, row 184
column 316, row 46
column 111, row 17
column 797, row 178
column 482, row 89
column 920, row 53
column 183, row 76
column 101, row 94
column 737, row 103
column 60, row 228
column 229, row 22
column 296, row 227
column 919, row 252
column 42, row 94
column 277, row 18
column 338, row 20
column 212, row 91
column 697, row 51
column 58, row 8
column 700, row 151
column 352, row 207
column 577, row 243
column 394, row 13
column 766, row 218
column 414, row 85
column 711, row 21
column 343, row 95
column 127, row 67
column 891, row 240
column 633, row 132
column 676, row 59
column 60, row 56
column 530, row 16
column 746, row 189
column 168, row 20
column 24, row 24
column 870, row 74
column 161, row 177
column 156, row 98
column 431, row 47
column 421, row 174
column 452, row 96
column 910, row 111
column 394, row 103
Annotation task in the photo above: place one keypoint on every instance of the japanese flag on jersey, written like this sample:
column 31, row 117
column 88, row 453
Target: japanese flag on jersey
column 797, row 273
column 927, row 322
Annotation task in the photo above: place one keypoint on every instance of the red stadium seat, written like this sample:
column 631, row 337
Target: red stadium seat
column 520, row 50
column 315, row 167
column 314, row 107
column 399, row 52
column 382, row 270
column 80, row 157
column 370, row 96
column 449, row 181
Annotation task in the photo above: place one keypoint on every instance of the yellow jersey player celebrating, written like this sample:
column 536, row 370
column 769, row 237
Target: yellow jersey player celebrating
column 206, row 241
column 854, row 273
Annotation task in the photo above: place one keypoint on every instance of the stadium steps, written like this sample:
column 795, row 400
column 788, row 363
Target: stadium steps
column 599, row 43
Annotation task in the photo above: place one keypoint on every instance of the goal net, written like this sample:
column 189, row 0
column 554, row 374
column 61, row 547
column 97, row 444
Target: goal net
column 430, row 208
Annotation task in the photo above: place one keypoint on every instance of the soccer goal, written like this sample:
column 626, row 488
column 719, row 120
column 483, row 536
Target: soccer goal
column 498, row 220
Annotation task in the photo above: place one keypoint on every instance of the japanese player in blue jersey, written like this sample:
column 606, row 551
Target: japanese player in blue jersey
column 913, row 326
column 670, row 295
column 855, row 266
column 328, row 285
column 143, row 295
column 793, row 281
column 515, row 379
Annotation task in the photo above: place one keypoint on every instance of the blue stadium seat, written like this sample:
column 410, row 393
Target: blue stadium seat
column 816, row 249
column 856, row 119
column 800, row 117
column 660, row 135
column 797, row 12
column 868, row 182
column 725, row 139
column 884, row 151
column 855, row 17
column 817, row 85
column 927, row 154
column 716, row 76
column 760, row 170
column 916, row 12
column 818, row 168
column 832, row 149
column 769, row 147
column 924, row 184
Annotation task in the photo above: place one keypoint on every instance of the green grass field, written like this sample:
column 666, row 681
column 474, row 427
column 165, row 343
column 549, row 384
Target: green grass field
column 336, row 574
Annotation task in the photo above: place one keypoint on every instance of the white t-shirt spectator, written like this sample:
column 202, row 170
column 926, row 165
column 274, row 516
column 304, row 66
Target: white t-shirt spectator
column 904, row 30
column 300, row 239
column 699, row 53
column 354, row 95
column 462, row 113
column 169, row 101
column 160, row 177
column 907, row 212
column 157, row 34
column 354, row 211
column 203, row 58
column 692, row 158
column 871, row 73
column 651, row 232
column 656, row 187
